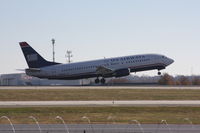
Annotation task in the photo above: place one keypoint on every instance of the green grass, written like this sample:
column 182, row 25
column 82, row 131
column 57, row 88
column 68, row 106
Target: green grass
column 98, row 94
column 153, row 115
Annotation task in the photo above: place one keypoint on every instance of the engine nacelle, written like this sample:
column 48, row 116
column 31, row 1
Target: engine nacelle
column 122, row 72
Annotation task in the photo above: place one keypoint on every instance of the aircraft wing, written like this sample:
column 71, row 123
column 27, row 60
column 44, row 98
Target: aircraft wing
column 20, row 70
column 103, row 70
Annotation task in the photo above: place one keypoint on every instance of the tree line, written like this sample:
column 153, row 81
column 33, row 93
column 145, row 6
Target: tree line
column 167, row 79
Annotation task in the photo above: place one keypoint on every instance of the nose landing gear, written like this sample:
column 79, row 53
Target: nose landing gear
column 159, row 73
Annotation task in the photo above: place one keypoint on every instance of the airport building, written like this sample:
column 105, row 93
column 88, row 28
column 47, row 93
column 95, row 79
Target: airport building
column 21, row 79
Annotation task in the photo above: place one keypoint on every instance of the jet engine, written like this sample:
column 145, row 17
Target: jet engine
column 122, row 72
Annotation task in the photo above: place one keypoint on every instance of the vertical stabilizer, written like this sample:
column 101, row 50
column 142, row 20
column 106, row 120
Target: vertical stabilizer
column 33, row 59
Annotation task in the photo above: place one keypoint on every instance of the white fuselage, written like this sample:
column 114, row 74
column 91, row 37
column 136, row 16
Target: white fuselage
column 88, row 69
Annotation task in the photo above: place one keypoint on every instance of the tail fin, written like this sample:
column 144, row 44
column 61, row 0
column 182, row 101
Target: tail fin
column 33, row 59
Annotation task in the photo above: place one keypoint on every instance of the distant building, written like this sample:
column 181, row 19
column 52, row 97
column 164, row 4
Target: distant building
column 11, row 79
column 135, row 80
column 143, row 79
column 21, row 79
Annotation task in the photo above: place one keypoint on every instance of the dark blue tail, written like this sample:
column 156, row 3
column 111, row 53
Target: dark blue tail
column 33, row 59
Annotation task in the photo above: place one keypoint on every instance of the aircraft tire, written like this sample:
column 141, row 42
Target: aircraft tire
column 97, row 81
column 103, row 81
column 159, row 73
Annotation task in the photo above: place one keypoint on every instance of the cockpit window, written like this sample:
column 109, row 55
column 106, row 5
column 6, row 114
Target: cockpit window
column 164, row 57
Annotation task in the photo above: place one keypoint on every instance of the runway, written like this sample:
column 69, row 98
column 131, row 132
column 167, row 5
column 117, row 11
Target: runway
column 133, row 103
column 101, row 128
column 97, row 87
column 139, row 103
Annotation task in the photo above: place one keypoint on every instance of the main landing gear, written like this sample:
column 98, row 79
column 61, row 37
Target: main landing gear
column 97, row 81
column 103, row 81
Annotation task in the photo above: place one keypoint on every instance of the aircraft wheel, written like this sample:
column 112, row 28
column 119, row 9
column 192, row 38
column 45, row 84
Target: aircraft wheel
column 97, row 81
column 103, row 81
column 159, row 73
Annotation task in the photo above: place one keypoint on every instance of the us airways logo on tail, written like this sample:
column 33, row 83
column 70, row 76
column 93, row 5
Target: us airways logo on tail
column 32, row 57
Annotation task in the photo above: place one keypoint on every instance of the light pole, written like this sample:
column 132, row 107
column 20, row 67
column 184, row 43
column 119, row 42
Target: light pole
column 53, row 43
column 68, row 56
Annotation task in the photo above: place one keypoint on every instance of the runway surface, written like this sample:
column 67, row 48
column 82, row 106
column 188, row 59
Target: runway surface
column 98, row 87
column 102, row 128
column 137, row 103
column 140, row 103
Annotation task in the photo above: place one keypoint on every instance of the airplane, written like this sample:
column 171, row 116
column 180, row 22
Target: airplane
column 98, row 69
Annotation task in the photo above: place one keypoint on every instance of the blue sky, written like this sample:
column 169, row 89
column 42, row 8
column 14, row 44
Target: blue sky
column 94, row 29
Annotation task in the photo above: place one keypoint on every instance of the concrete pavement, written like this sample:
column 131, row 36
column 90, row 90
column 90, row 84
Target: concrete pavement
column 98, row 87
column 101, row 128
column 139, row 103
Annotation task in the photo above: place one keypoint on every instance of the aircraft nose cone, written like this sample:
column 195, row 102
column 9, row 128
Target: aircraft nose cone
column 171, row 61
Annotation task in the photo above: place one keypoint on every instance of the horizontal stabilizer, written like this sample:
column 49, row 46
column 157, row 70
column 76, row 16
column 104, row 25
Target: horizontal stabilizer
column 22, row 70
column 33, row 70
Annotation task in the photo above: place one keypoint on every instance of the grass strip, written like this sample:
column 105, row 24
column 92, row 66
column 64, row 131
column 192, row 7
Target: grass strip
column 99, row 94
column 148, row 115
